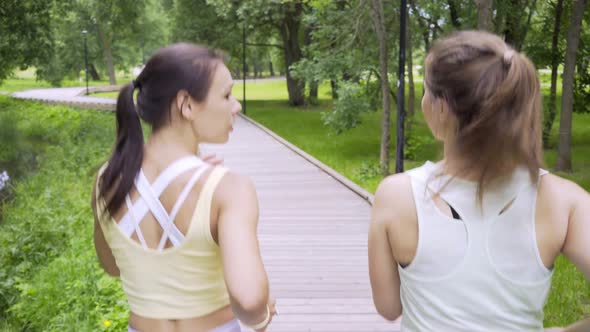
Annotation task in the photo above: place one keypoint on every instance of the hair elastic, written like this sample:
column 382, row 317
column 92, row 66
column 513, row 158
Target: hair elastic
column 508, row 55
column 263, row 323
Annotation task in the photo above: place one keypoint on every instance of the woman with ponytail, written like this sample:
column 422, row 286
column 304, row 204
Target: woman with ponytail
column 179, row 231
column 469, row 243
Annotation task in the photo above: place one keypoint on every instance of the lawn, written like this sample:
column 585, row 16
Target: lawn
column 23, row 80
column 50, row 277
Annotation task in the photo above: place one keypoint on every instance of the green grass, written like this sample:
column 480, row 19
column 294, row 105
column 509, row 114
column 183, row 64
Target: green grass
column 256, row 90
column 24, row 80
column 49, row 276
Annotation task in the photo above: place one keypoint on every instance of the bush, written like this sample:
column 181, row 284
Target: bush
column 50, row 279
column 351, row 103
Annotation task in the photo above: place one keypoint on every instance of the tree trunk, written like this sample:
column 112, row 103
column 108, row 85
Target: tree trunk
column 484, row 15
column 334, row 87
column 379, row 23
column 564, row 159
column 313, row 92
column 290, row 35
column 512, row 20
column 411, row 92
column 454, row 13
column 272, row 71
column 550, row 116
column 107, row 53
column 423, row 26
column 525, row 29
column 313, row 86
column 93, row 72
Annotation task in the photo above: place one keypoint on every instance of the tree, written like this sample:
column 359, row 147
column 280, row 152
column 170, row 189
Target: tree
column 25, row 34
column 121, row 33
column 564, row 162
column 549, row 119
column 207, row 27
column 411, row 90
column 379, row 23
column 484, row 18
column 284, row 17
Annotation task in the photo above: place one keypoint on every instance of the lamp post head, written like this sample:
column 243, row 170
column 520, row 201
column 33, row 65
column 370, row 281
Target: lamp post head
column 84, row 31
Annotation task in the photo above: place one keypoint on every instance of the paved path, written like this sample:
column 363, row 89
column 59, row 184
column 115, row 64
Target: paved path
column 313, row 232
column 67, row 96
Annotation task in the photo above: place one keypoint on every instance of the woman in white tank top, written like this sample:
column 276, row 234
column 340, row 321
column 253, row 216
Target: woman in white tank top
column 469, row 243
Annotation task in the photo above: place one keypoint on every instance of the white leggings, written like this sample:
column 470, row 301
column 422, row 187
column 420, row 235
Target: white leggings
column 232, row 326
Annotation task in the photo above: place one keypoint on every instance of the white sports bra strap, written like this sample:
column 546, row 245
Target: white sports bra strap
column 135, row 222
column 178, row 167
column 174, row 170
column 156, row 207
column 181, row 198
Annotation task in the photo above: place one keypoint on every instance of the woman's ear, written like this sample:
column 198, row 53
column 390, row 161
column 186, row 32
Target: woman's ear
column 182, row 102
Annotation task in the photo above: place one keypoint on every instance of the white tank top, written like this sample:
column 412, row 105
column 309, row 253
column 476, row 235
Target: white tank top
column 482, row 272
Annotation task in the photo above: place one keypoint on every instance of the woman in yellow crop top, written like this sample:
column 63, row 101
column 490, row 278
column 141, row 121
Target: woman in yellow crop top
column 178, row 231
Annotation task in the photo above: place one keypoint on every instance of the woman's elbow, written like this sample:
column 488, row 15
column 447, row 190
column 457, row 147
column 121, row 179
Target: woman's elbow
column 249, row 300
column 388, row 310
column 389, row 314
column 110, row 269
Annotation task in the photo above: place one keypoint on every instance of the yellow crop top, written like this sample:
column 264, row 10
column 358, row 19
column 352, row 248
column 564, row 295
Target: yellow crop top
column 180, row 282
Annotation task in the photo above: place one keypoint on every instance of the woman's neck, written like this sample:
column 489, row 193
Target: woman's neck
column 169, row 144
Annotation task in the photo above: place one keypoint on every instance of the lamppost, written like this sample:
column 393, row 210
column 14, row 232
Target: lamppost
column 84, row 32
column 244, row 64
column 399, row 151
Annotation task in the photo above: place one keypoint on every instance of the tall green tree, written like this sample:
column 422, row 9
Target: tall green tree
column 484, row 12
column 25, row 34
column 550, row 117
column 564, row 159
column 377, row 15
column 120, row 35
column 284, row 17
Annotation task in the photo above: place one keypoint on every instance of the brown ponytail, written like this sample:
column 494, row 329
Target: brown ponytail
column 126, row 159
column 494, row 94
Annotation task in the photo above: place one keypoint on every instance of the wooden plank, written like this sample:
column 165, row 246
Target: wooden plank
column 313, row 235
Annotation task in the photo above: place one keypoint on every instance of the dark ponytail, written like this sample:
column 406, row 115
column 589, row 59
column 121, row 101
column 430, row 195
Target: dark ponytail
column 181, row 66
column 127, row 156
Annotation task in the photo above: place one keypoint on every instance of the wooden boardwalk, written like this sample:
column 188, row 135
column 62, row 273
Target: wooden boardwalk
column 313, row 235
column 313, row 227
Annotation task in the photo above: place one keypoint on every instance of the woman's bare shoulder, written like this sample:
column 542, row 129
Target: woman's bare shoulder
column 394, row 200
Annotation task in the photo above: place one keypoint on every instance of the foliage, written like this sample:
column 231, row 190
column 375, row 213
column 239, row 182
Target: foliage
column 49, row 272
column 414, row 144
column 198, row 21
column 26, row 38
column 126, row 31
column 582, row 77
column 352, row 101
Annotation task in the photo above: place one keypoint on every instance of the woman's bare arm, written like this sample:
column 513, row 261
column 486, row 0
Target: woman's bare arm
column 103, row 251
column 245, row 275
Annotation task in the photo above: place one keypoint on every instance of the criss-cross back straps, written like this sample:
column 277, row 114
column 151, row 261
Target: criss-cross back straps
column 137, row 229
column 179, row 201
column 127, row 224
